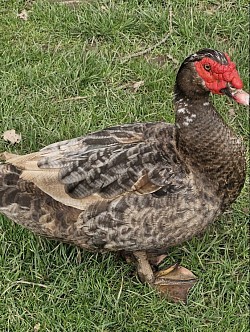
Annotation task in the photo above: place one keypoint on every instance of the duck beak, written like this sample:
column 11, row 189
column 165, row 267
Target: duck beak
column 238, row 95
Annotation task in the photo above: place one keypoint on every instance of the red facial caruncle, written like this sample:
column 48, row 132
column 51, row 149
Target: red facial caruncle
column 217, row 76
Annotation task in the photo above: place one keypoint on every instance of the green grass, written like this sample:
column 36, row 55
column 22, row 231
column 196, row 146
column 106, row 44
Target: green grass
column 64, row 51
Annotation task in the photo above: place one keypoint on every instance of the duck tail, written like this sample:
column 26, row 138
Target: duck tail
column 9, row 177
column 6, row 155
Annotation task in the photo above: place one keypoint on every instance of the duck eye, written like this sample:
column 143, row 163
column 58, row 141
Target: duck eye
column 207, row 67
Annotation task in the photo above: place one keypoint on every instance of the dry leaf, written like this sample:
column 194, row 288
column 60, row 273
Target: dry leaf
column 104, row 8
column 23, row 15
column 137, row 85
column 11, row 136
column 231, row 112
column 159, row 60
column 210, row 11
column 37, row 327
column 132, row 86
column 246, row 210
column 70, row 3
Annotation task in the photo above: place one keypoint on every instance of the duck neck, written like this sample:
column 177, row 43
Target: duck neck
column 209, row 146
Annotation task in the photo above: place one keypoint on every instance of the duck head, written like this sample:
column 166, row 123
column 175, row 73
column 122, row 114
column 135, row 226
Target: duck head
column 208, row 71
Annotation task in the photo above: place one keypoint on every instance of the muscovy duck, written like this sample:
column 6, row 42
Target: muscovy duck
column 137, row 188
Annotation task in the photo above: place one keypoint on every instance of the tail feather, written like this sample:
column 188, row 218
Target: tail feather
column 24, row 203
column 7, row 155
column 10, row 192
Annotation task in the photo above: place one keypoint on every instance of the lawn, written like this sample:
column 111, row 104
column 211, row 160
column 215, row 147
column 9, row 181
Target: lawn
column 68, row 70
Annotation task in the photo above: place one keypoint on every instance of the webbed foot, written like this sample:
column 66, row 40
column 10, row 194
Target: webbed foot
column 173, row 283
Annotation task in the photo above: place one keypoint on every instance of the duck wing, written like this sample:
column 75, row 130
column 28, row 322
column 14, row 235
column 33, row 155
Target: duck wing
column 139, row 158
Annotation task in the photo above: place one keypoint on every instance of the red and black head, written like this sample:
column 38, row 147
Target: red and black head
column 208, row 71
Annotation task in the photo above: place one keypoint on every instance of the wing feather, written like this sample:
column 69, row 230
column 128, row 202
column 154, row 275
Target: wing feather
column 138, row 158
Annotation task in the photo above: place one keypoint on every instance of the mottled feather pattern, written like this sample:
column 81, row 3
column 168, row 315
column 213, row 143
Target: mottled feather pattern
column 113, row 168
column 129, row 222
column 142, row 186
column 220, row 155
column 27, row 205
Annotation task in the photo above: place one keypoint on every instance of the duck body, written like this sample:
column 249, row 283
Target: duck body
column 136, row 187
column 149, row 215
column 168, row 201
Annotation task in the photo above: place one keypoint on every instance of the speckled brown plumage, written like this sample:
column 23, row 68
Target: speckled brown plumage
column 136, row 187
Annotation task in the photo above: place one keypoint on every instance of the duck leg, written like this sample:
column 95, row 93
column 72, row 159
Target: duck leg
column 173, row 283
column 144, row 270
